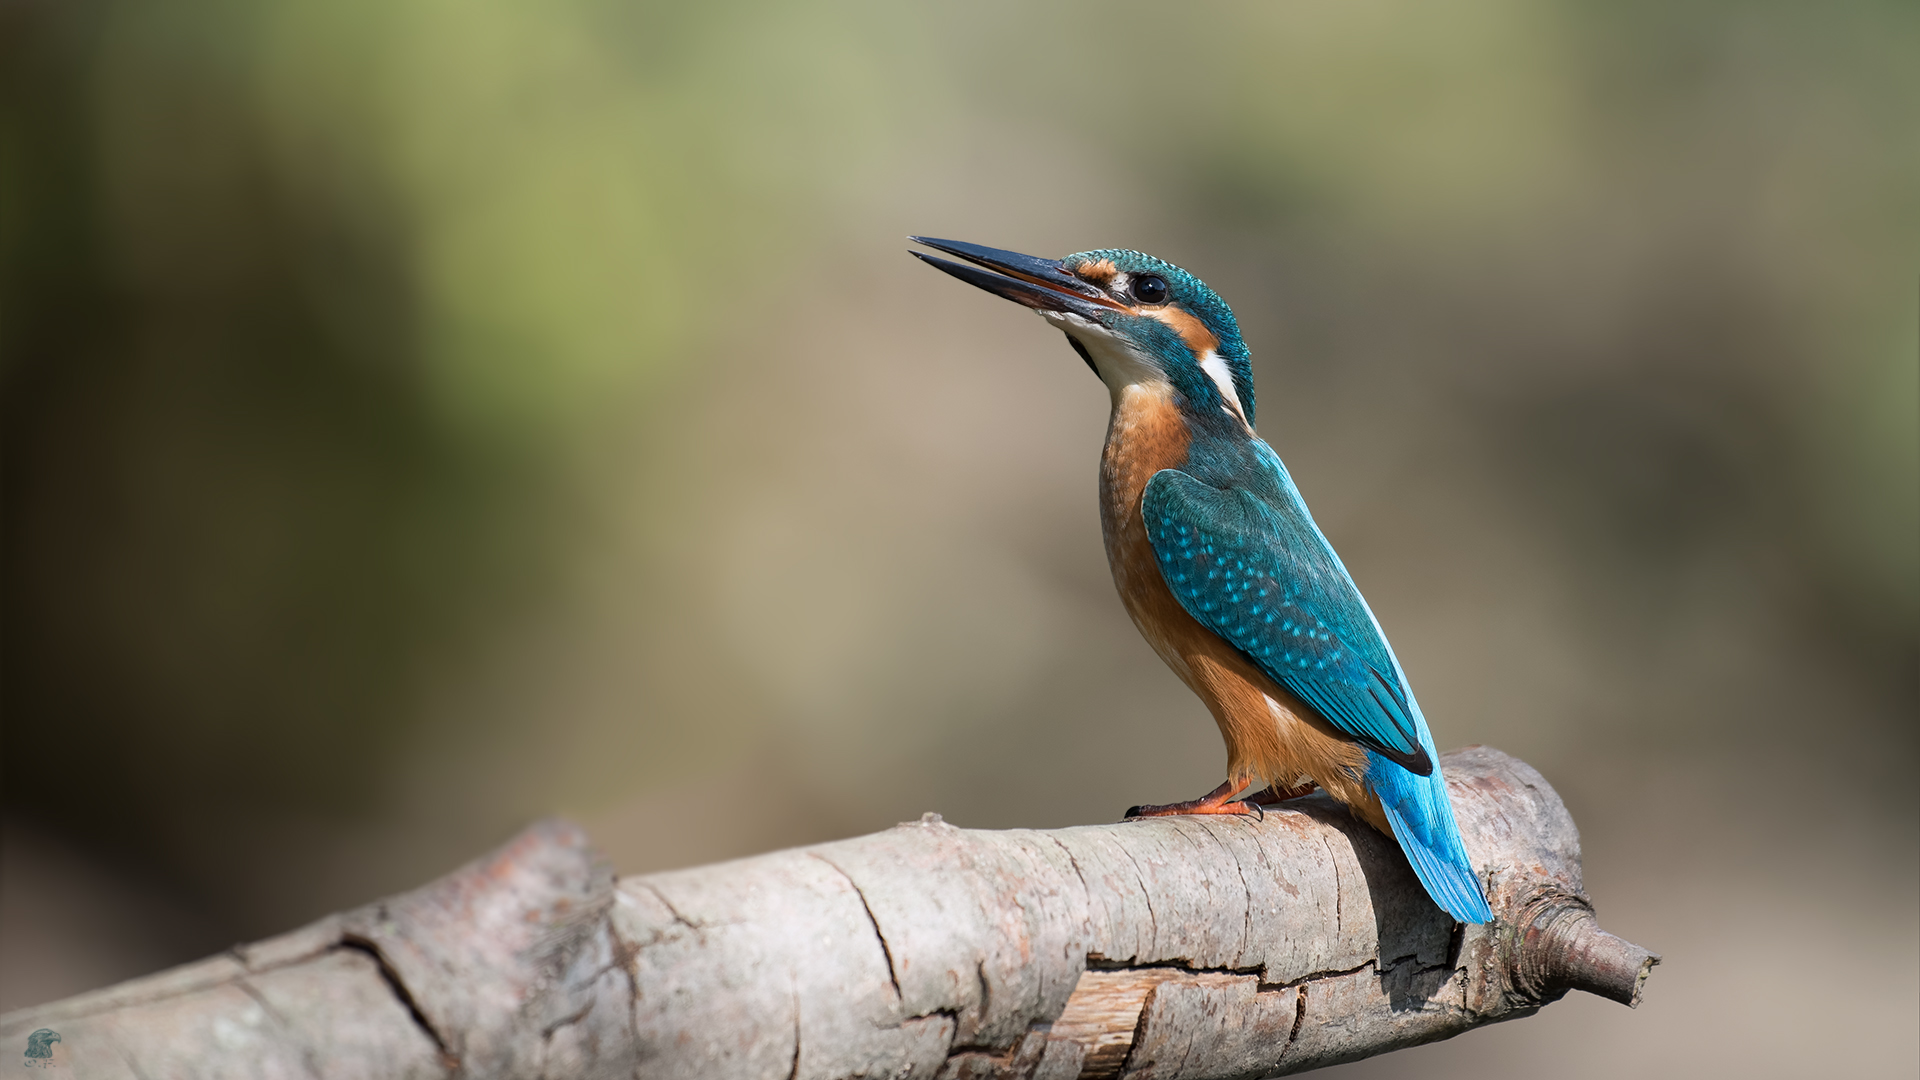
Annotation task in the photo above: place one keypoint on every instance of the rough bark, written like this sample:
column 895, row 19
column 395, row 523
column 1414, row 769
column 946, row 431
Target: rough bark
column 1171, row 947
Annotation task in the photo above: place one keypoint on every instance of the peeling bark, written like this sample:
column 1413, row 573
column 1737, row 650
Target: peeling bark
column 1168, row 948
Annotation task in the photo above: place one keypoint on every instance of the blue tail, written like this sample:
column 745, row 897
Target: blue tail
column 1422, row 820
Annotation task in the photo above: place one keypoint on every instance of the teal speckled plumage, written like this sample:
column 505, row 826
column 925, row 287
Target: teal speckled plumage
column 1261, row 575
column 1298, row 652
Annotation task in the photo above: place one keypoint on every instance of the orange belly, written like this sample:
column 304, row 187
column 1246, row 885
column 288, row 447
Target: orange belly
column 1271, row 735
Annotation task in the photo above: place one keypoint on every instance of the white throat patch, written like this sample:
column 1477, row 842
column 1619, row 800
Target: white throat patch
column 1118, row 364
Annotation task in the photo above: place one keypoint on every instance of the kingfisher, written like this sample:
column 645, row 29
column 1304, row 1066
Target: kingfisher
column 1221, row 566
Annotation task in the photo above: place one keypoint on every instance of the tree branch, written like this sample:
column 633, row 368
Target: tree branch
column 1170, row 947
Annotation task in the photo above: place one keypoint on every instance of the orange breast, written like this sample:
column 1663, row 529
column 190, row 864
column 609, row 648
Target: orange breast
column 1270, row 734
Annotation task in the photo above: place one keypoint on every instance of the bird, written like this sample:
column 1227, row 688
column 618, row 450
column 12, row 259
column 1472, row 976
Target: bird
column 1221, row 566
column 40, row 1049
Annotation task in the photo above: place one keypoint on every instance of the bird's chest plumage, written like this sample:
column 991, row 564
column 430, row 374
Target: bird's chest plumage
column 1145, row 434
column 1269, row 731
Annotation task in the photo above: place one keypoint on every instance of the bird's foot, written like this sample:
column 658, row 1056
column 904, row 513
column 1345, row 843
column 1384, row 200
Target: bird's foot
column 1218, row 801
column 1275, row 794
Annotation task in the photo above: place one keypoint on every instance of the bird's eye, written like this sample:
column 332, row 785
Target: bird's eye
column 1150, row 289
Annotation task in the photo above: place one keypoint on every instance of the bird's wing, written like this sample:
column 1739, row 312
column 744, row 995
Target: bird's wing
column 1267, row 581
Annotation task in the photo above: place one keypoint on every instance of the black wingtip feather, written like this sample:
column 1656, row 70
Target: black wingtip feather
column 1417, row 763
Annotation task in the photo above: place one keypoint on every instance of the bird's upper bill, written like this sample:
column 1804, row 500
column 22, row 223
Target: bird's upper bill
column 1041, row 284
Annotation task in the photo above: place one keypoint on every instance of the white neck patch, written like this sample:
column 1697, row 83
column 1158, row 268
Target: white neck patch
column 1216, row 369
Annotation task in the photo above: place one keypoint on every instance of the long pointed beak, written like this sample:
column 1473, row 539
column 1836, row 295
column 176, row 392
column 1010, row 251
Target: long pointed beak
column 1041, row 284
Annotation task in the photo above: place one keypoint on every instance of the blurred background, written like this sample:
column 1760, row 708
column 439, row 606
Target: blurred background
column 424, row 416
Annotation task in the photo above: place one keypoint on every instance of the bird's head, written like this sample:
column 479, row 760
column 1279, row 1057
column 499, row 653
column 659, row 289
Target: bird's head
column 1135, row 320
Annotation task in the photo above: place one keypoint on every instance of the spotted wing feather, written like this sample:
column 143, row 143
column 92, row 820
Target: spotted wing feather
column 1267, row 581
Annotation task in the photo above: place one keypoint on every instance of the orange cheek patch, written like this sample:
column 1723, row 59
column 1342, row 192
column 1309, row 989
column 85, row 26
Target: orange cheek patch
column 1191, row 330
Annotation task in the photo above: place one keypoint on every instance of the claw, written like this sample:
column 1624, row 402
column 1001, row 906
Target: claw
column 1218, row 801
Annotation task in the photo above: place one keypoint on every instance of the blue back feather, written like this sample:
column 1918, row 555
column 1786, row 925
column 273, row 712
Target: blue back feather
column 1257, row 571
